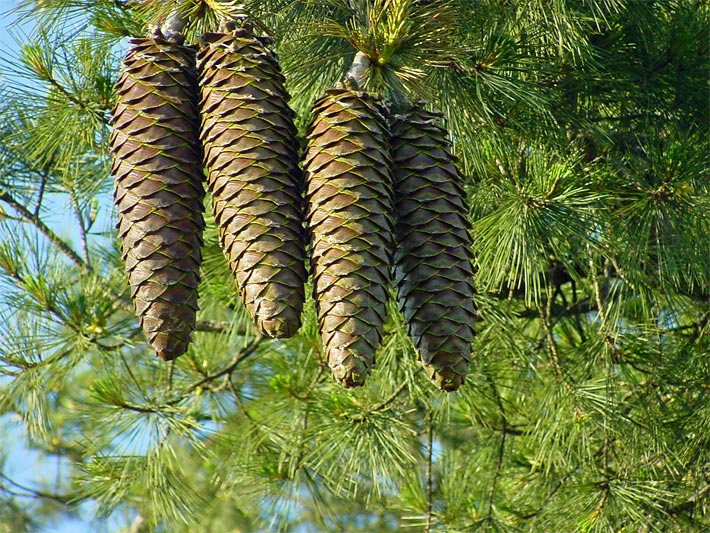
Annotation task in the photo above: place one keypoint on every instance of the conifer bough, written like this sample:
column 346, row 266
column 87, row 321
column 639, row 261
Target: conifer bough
column 157, row 164
column 251, row 154
column 433, row 257
column 349, row 215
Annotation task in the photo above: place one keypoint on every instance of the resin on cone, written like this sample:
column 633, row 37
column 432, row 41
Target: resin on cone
column 349, row 214
column 157, row 165
column 433, row 257
column 251, row 155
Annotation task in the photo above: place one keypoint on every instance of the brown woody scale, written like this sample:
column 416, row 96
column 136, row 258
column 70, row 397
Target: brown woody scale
column 157, row 168
column 251, row 154
column 433, row 257
column 349, row 214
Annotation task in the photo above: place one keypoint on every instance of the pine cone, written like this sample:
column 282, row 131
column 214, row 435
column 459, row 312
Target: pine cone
column 159, row 192
column 251, row 153
column 349, row 213
column 433, row 257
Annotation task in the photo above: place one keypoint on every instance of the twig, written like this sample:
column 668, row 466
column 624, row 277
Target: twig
column 312, row 385
column 601, row 311
column 381, row 405
column 32, row 493
column 501, row 448
column 694, row 499
column 44, row 175
column 82, row 229
column 215, row 326
column 358, row 69
column 429, row 475
column 77, row 101
column 240, row 356
column 300, row 446
column 171, row 372
column 240, row 403
column 549, row 496
column 44, row 229
column 552, row 345
column 137, row 524
column 47, row 306
column 174, row 24
column 384, row 403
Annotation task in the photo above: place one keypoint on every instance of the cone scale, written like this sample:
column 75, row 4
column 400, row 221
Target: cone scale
column 158, row 195
column 251, row 154
column 349, row 216
column 433, row 257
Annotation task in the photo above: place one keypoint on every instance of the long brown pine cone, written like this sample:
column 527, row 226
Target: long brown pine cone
column 251, row 154
column 157, row 164
column 433, row 257
column 349, row 214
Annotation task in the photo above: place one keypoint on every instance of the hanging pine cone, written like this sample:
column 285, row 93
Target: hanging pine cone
column 251, row 154
column 157, row 167
column 349, row 212
column 433, row 268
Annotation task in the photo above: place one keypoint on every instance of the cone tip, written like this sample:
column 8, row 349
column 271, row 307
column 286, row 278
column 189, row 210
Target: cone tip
column 448, row 378
column 168, row 347
column 350, row 371
column 448, row 381
column 170, row 355
column 278, row 328
column 351, row 380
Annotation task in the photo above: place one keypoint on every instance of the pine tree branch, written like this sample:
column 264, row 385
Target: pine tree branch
column 101, row 116
column 549, row 340
column 240, row 403
column 560, row 482
column 138, row 524
column 44, row 176
column 429, row 473
column 689, row 504
column 358, row 69
column 601, row 310
column 82, row 229
column 501, row 449
column 387, row 401
column 33, row 493
column 380, row 406
column 240, row 356
column 252, row 421
column 47, row 306
column 300, row 446
column 213, row 326
column 172, row 27
column 44, row 229
column 558, row 311
column 311, row 387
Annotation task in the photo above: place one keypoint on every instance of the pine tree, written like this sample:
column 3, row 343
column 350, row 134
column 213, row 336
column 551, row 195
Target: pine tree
column 581, row 134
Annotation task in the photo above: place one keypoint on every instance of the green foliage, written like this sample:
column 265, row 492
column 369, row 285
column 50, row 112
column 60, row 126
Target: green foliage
column 582, row 131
